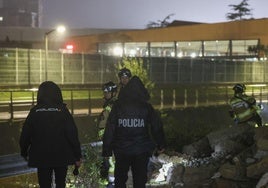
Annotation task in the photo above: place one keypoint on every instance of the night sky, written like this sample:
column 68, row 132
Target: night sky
column 127, row 14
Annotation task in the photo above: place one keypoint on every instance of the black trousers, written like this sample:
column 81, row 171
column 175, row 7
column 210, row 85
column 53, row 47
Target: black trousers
column 45, row 176
column 138, row 165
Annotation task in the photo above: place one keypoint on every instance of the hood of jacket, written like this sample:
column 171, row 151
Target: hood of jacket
column 134, row 90
column 49, row 93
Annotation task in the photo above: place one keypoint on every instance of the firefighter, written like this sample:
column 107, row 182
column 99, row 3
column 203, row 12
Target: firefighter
column 109, row 95
column 243, row 107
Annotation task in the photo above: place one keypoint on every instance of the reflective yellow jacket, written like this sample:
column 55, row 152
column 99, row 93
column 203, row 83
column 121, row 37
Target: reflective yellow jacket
column 243, row 107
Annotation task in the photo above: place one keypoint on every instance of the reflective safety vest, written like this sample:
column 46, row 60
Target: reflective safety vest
column 105, row 113
column 243, row 107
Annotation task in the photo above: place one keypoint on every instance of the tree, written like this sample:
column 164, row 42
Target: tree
column 160, row 23
column 240, row 11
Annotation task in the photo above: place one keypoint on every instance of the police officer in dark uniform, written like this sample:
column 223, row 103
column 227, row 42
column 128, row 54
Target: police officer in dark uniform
column 124, row 76
column 49, row 138
column 128, row 132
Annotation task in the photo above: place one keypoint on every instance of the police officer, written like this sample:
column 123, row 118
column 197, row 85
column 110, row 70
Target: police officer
column 127, row 134
column 109, row 95
column 243, row 107
column 124, row 76
column 49, row 138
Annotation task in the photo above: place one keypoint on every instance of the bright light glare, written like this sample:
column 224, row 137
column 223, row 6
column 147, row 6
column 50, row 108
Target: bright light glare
column 69, row 47
column 132, row 53
column 257, row 85
column 193, row 55
column 118, row 51
column 34, row 89
column 180, row 54
column 61, row 29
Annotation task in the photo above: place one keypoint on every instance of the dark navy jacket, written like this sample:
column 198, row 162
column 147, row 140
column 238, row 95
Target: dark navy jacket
column 133, row 126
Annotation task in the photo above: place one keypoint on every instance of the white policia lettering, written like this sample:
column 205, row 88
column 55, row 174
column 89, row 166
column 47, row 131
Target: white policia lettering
column 48, row 110
column 131, row 122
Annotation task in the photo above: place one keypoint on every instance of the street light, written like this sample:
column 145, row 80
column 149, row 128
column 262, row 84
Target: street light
column 59, row 29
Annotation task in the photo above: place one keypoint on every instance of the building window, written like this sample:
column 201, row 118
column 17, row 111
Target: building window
column 136, row 49
column 111, row 49
column 240, row 47
column 216, row 48
column 189, row 49
column 162, row 49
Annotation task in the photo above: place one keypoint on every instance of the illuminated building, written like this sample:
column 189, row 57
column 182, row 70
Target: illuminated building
column 233, row 40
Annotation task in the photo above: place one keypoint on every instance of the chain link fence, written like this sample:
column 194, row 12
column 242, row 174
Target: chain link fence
column 28, row 67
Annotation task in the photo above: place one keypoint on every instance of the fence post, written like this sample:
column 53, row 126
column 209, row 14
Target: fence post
column 17, row 67
column 196, row 97
column 62, row 68
column 226, row 94
column 11, row 106
column 32, row 98
column 161, row 99
column 185, row 98
column 89, row 103
column 174, row 99
column 72, row 103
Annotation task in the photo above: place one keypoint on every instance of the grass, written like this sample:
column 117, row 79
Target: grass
column 20, row 181
column 67, row 94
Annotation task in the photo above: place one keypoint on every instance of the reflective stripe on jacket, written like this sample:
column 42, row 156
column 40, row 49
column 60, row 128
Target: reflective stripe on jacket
column 243, row 107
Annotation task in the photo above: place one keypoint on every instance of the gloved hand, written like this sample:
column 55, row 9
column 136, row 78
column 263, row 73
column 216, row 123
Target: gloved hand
column 231, row 113
column 76, row 167
column 75, row 171
column 236, row 121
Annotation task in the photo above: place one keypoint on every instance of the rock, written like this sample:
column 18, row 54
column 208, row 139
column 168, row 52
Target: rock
column 229, row 147
column 256, row 170
column 262, row 144
column 175, row 175
column 233, row 171
column 226, row 183
column 201, row 148
column 242, row 134
column 200, row 174
column 261, row 154
column 261, row 132
column 263, row 182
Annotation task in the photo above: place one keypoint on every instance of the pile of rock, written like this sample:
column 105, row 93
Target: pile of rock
column 232, row 157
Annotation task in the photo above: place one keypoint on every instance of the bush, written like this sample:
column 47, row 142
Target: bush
column 185, row 126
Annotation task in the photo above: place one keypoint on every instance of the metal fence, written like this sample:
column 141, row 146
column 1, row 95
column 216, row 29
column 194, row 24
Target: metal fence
column 16, row 104
column 27, row 67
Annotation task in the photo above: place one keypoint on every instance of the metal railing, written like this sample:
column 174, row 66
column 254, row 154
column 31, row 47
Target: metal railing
column 164, row 97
